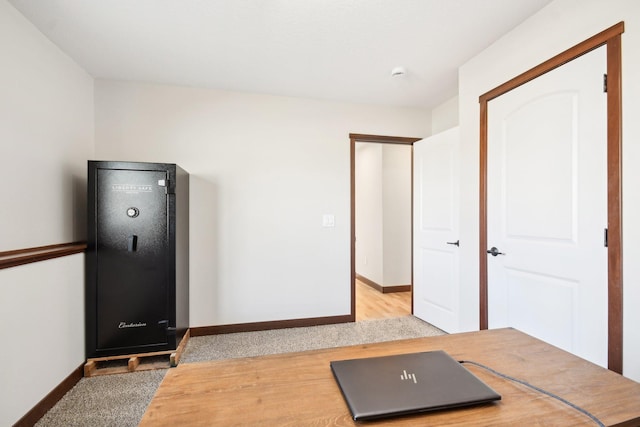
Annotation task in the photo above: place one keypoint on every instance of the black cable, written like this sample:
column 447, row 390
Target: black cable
column 538, row 389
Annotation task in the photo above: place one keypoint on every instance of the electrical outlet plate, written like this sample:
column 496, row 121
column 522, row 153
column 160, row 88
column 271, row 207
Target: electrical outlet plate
column 328, row 220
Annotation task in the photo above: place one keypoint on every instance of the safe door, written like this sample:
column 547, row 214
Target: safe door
column 132, row 257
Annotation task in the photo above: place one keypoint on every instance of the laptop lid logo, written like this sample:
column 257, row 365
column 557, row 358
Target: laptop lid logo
column 406, row 376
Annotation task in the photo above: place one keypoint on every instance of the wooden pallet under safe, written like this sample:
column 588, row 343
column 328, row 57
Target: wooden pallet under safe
column 135, row 362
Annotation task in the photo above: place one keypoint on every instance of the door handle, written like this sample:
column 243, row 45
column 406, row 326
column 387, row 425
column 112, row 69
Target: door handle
column 456, row 243
column 495, row 252
column 132, row 243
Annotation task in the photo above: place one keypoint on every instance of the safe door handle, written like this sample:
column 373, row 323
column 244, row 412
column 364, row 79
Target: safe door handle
column 495, row 252
column 456, row 243
column 132, row 243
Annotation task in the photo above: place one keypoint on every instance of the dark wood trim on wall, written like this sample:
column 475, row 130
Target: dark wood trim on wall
column 568, row 55
column 610, row 37
column 412, row 206
column 352, row 238
column 40, row 253
column 381, row 139
column 484, row 288
column 383, row 289
column 614, row 208
column 265, row 326
column 50, row 400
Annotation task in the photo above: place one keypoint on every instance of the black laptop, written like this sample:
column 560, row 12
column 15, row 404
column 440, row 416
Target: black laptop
column 404, row 384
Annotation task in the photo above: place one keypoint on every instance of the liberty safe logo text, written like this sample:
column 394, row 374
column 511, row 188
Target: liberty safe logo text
column 131, row 188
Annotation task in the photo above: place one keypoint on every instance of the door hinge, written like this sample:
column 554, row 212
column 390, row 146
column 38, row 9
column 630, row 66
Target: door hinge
column 167, row 186
column 604, row 83
column 606, row 237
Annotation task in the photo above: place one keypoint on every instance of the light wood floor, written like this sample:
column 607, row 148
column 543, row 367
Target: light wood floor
column 373, row 304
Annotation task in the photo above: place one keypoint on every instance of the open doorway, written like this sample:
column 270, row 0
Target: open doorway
column 381, row 217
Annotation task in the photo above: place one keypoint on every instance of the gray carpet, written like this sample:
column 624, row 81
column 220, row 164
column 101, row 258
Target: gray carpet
column 121, row 400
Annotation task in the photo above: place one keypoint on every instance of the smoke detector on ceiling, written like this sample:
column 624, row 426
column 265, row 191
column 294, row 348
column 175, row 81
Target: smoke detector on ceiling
column 398, row 72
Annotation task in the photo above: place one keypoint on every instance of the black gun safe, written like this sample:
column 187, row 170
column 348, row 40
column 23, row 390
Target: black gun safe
column 137, row 260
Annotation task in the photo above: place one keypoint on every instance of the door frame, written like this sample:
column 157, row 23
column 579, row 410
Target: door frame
column 611, row 38
column 380, row 139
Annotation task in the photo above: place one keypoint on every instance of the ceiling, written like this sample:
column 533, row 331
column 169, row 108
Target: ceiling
column 340, row 50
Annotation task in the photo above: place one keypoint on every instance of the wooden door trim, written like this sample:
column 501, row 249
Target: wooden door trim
column 18, row 257
column 380, row 139
column 610, row 37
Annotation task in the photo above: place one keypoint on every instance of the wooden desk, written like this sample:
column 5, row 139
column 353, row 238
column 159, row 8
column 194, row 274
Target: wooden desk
column 298, row 389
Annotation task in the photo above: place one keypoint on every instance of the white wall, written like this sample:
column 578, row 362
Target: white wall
column 369, row 242
column 383, row 213
column 264, row 169
column 46, row 137
column 445, row 116
column 562, row 24
column 46, row 134
column 42, row 310
column 396, row 214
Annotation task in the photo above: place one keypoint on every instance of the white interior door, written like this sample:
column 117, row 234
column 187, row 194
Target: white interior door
column 435, row 230
column 547, row 208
